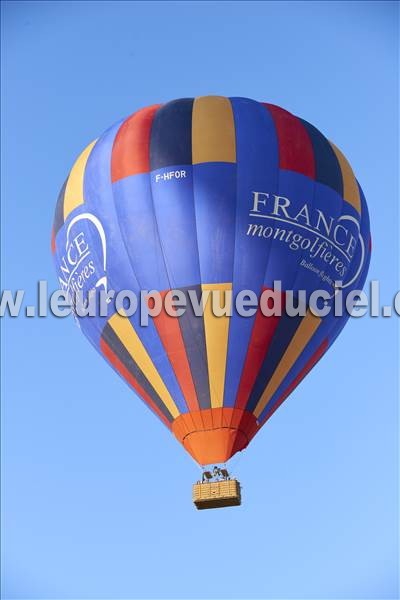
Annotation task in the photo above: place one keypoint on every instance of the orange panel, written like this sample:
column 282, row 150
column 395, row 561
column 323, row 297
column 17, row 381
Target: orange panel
column 214, row 435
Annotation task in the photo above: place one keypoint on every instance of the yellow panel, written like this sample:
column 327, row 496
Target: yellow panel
column 304, row 333
column 216, row 331
column 73, row 196
column 213, row 130
column 351, row 193
column 129, row 338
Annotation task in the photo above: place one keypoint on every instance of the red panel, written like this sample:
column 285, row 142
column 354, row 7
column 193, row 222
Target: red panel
column 295, row 147
column 261, row 338
column 131, row 149
column 171, row 337
column 122, row 370
column 306, row 369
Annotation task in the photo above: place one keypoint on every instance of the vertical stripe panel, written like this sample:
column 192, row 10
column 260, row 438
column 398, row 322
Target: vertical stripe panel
column 261, row 338
column 257, row 169
column 172, row 197
column 326, row 164
column 283, row 334
column 351, row 192
column 304, row 333
column 193, row 334
column 171, row 337
column 59, row 212
column 119, row 357
column 216, row 332
column 171, row 135
column 175, row 222
column 131, row 149
column 320, row 351
column 214, row 193
column 135, row 213
column 295, row 147
column 53, row 241
column 213, row 130
column 129, row 338
column 134, row 262
column 73, row 196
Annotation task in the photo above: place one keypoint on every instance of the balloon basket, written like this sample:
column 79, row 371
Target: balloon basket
column 216, row 494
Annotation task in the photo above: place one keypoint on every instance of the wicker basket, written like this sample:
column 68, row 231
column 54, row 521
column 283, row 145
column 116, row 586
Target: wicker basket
column 217, row 494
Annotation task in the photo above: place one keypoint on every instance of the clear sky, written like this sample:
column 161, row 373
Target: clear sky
column 96, row 492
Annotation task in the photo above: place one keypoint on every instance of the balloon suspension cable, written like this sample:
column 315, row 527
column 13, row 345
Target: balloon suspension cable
column 234, row 462
column 216, row 474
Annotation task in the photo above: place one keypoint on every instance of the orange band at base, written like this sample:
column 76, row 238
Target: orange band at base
column 214, row 435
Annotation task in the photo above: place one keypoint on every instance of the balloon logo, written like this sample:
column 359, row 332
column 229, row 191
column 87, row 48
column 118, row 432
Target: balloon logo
column 212, row 194
column 102, row 281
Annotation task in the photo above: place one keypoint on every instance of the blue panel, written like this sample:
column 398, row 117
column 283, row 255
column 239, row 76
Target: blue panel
column 80, row 265
column 303, row 234
column 331, row 325
column 176, row 224
column 257, row 170
column 214, row 189
column 356, row 276
column 139, row 231
column 284, row 251
column 183, row 225
column 121, row 262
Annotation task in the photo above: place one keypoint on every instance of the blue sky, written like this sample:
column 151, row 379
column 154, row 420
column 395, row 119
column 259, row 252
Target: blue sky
column 96, row 492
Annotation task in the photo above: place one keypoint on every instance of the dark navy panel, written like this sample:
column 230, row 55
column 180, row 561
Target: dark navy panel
column 121, row 352
column 59, row 212
column 171, row 135
column 320, row 335
column 286, row 329
column 194, row 338
column 326, row 164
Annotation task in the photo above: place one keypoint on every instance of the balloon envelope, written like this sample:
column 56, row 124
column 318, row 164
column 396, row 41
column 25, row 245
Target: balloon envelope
column 208, row 194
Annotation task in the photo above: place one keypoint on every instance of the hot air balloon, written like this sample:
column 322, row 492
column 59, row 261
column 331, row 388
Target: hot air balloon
column 212, row 194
